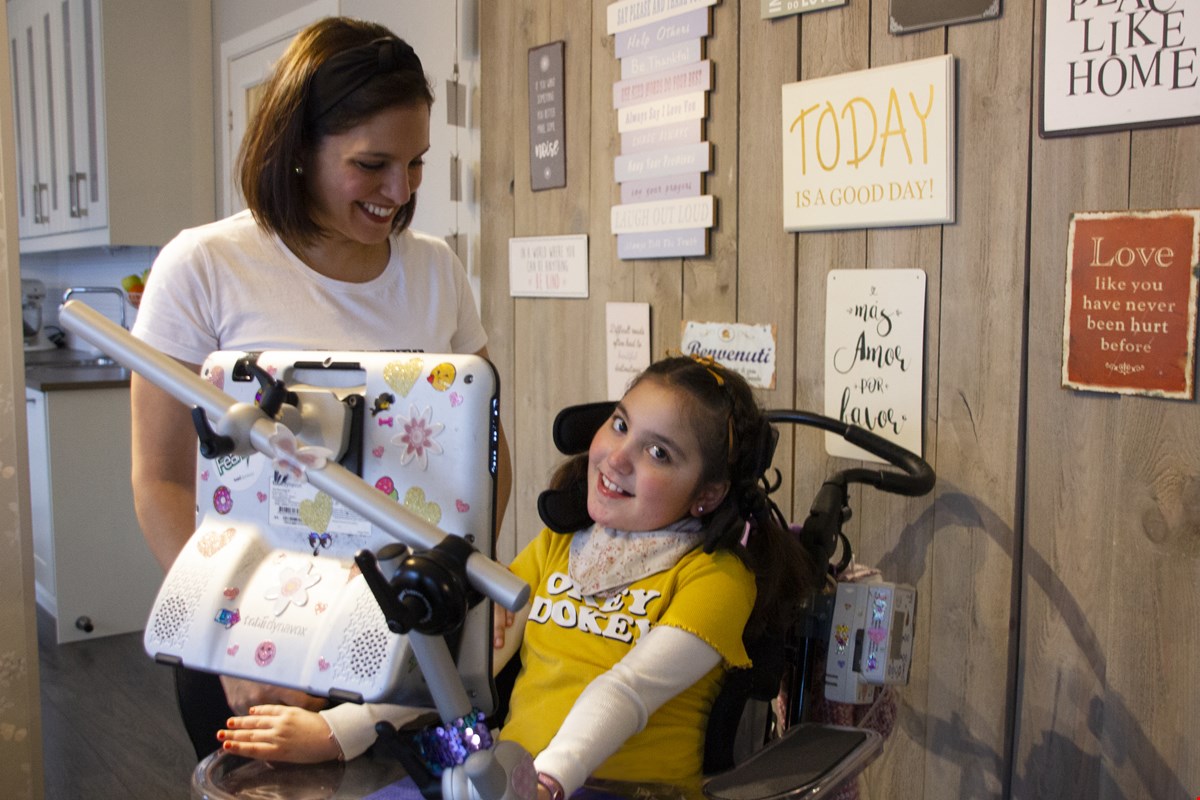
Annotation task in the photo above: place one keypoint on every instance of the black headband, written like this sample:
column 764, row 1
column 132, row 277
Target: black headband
column 349, row 70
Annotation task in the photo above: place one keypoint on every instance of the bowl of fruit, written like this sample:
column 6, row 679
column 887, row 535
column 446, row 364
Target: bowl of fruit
column 133, row 286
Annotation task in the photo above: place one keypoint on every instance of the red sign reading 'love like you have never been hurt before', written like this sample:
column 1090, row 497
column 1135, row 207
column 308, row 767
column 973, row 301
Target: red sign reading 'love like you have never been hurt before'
column 1130, row 323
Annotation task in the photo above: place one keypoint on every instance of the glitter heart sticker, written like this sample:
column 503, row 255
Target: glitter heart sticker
column 414, row 501
column 402, row 375
column 210, row 543
column 316, row 513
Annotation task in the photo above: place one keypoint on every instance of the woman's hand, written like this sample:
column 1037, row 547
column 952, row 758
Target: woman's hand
column 280, row 733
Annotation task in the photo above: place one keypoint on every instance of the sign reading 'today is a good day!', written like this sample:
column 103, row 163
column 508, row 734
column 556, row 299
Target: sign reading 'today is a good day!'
column 871, row 148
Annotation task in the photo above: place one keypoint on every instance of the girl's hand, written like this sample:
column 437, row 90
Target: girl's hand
column 280, row 733
column 502, row 620
column 242, row 694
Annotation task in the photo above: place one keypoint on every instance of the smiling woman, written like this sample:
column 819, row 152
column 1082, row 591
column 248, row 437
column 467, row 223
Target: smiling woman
column 323, row 259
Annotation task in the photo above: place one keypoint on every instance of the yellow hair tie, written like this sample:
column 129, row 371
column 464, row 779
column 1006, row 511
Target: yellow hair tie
column 710, row 364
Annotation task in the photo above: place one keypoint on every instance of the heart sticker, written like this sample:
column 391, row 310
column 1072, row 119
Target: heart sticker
column 462, row 507
column 317, row 512
column 322, row 664
column 232, row 592
column 414, row 501
column 211, row 542
column 232, row 649
column 378, row 451
column 262, row 497
column 402, row 375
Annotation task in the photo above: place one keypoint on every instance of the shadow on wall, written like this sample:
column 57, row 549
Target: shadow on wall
column 1056, row 766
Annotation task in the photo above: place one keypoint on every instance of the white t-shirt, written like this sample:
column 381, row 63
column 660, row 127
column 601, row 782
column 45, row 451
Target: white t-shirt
column 230, row 285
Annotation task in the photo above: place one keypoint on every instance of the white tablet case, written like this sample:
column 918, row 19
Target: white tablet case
column 267, row 589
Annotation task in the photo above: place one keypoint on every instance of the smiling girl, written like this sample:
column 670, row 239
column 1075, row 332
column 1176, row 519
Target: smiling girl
column 637, row 615
column 672, row 557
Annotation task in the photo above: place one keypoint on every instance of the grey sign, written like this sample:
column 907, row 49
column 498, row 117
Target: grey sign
column 547, row 122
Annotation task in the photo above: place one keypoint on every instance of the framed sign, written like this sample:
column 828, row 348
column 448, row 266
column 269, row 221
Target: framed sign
column 906, row 16
column 547, row 140
column 1110, row 65
column 772, row 9
column 1130, row 320
column 627, row 330
column 548, row 266
column 875, row 355
column 748, row 350
column 871, row 148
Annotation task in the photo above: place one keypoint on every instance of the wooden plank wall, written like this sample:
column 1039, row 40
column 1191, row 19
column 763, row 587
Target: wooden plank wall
column 1056, row 559
column 1112, row 537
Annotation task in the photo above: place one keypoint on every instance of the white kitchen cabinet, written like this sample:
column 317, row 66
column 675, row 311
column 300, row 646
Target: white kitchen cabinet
column 91, row 565
column 114, row 127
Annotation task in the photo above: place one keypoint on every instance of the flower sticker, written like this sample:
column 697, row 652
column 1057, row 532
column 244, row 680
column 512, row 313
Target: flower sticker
column 294, row 583
column 294, row 458
column 417, row 440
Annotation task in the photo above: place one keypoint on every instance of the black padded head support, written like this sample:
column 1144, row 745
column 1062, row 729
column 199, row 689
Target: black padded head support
column 565, row 510
column 575, row 426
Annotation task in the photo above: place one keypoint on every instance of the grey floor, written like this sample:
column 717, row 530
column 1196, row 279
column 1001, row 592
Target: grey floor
column 110, row 725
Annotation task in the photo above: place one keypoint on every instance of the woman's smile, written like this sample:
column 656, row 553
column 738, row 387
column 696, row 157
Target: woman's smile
column 382, row 213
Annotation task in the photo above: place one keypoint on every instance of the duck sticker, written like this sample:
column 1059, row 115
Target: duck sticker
column 441, row 377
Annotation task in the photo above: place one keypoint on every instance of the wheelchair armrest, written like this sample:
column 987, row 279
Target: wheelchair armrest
column 809, row 761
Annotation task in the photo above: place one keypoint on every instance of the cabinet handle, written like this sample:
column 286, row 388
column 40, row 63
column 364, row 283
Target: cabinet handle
column 39, row 216
column 78, row 208
column 73, row 193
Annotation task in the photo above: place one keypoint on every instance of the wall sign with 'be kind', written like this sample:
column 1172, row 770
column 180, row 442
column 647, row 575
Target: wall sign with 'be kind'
column 1130, row 320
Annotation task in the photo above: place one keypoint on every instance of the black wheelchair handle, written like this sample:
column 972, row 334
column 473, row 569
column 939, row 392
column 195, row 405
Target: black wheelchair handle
column 916, row 479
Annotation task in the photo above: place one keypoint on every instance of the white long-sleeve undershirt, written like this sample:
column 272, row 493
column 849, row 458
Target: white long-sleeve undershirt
column 617, row 704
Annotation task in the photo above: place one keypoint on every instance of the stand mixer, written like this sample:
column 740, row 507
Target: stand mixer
column 33, row 294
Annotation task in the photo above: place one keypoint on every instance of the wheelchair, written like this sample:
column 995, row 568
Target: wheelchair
column 791, row 755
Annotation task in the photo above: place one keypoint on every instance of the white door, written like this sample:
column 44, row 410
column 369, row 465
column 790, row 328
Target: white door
column 246, row 63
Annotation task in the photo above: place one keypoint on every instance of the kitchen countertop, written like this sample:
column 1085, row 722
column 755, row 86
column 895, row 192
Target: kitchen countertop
column 62, row 369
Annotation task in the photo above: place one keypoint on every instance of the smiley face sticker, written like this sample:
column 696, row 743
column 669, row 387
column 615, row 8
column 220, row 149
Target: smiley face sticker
column 264, row 654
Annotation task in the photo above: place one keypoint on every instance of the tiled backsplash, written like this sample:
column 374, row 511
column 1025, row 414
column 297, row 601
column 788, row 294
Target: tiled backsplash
column 92, row 267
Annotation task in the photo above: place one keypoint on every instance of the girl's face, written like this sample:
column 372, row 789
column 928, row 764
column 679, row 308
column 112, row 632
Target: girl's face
column 359, row 179
column 644, row 464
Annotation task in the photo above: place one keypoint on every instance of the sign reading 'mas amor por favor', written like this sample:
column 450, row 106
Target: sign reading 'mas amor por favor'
column 871, row 148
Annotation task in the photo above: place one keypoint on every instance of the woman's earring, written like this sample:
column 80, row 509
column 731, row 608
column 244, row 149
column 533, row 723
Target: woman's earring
column 299, row 170
column 700, row 509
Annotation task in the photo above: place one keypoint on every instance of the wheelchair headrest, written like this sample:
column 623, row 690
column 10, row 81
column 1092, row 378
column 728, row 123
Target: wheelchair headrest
column 575, row 426
column 565, row 510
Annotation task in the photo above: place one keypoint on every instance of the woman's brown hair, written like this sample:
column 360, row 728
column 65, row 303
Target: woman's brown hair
column 284, row 133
